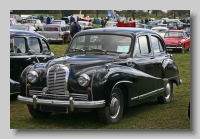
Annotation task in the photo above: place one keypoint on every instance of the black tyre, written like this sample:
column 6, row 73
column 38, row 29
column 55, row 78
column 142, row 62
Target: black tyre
column 168, row 94
column 37, row 113
column 113, row 113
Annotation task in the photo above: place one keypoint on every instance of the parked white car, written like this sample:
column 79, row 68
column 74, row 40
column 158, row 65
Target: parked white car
column 160, row 30
column 35, row 22
column 56, row 33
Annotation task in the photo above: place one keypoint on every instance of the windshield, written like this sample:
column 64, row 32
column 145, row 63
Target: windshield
column 19, row 27
column 174, row 34
column 109, row 43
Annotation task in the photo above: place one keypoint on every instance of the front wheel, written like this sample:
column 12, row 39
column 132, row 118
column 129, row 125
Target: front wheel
column 37, row 113
column 167, row 96
column 113, row 113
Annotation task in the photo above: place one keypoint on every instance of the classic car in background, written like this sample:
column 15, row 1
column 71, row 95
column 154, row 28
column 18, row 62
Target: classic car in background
column 36, row 23
column 177, row 40
column 151, row 24
column 13, row 21
column 66, row 19
column 56, row 33
column 85, row 25
column 160, row 30
column 110, row 24
column 161, row 25
column 62, row 23
column 17, row 17
column 106, row 69
column 25, row 27
column 172, row 25
column 141, row 26
column 21, row 44
column 187, row 29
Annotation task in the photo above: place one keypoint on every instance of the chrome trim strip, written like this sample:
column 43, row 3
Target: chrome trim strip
column 151, row 93
column 147, row 94
column 121, row 82
column 92, row 84
column 134, row 98
column 14, row 93
column 73, row 104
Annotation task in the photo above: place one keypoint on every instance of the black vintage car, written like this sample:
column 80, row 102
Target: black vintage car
column 23, row 45
column 105, row 68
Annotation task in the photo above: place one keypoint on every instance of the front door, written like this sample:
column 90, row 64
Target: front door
column 144, row 62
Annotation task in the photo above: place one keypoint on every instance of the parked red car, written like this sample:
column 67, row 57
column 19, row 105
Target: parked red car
column 177, row 40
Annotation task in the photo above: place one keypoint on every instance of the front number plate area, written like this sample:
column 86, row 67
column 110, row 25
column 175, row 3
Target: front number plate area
column 54, row 109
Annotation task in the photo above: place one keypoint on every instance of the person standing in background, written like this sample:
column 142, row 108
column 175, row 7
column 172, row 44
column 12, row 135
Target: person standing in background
column 48, row 20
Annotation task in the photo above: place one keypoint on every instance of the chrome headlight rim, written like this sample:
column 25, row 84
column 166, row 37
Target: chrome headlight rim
column 86, row 79
column 34, row 75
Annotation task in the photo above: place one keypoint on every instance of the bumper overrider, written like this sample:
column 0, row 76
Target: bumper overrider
column 71, row 102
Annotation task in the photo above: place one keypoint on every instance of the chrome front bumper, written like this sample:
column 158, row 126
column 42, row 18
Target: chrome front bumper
column 71, row 103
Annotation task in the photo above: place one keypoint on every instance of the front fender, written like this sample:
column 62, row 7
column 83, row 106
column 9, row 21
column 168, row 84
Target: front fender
column 14, row 87
column 23, row 80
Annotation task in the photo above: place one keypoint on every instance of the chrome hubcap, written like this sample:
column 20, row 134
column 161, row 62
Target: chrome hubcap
column 114, row 106
column 167, row 90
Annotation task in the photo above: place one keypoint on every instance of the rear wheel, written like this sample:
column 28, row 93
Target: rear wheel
column 168, row 93
column 113, row 113
column 37, row 113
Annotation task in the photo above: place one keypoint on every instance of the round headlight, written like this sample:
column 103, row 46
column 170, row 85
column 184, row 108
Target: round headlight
column 32, row 76
column 179, row 43
column 84, row 80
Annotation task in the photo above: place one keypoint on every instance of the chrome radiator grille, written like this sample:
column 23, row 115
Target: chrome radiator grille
column 57, row 79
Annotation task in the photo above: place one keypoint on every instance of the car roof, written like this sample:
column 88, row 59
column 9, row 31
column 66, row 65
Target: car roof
column 119, row 29
column 14, row 32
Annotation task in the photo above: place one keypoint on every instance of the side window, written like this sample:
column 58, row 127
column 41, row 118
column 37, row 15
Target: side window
column 44, row 46
column 156, row 44
column 35, row 44
column 144, row 46
column 18, row 45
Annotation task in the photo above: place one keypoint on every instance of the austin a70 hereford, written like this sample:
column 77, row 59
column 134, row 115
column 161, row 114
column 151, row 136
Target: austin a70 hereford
column 106, row 69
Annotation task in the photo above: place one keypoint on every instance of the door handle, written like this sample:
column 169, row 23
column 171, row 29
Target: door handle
column 152, row 57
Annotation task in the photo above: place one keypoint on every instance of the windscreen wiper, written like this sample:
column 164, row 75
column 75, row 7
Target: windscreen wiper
column 102, row 50
column 77, row 49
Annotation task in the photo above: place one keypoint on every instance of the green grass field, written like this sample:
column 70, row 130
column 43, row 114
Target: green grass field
column 150, row 115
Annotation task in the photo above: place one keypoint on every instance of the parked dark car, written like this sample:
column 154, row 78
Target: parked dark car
column 105, row 69
column 23, row 45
